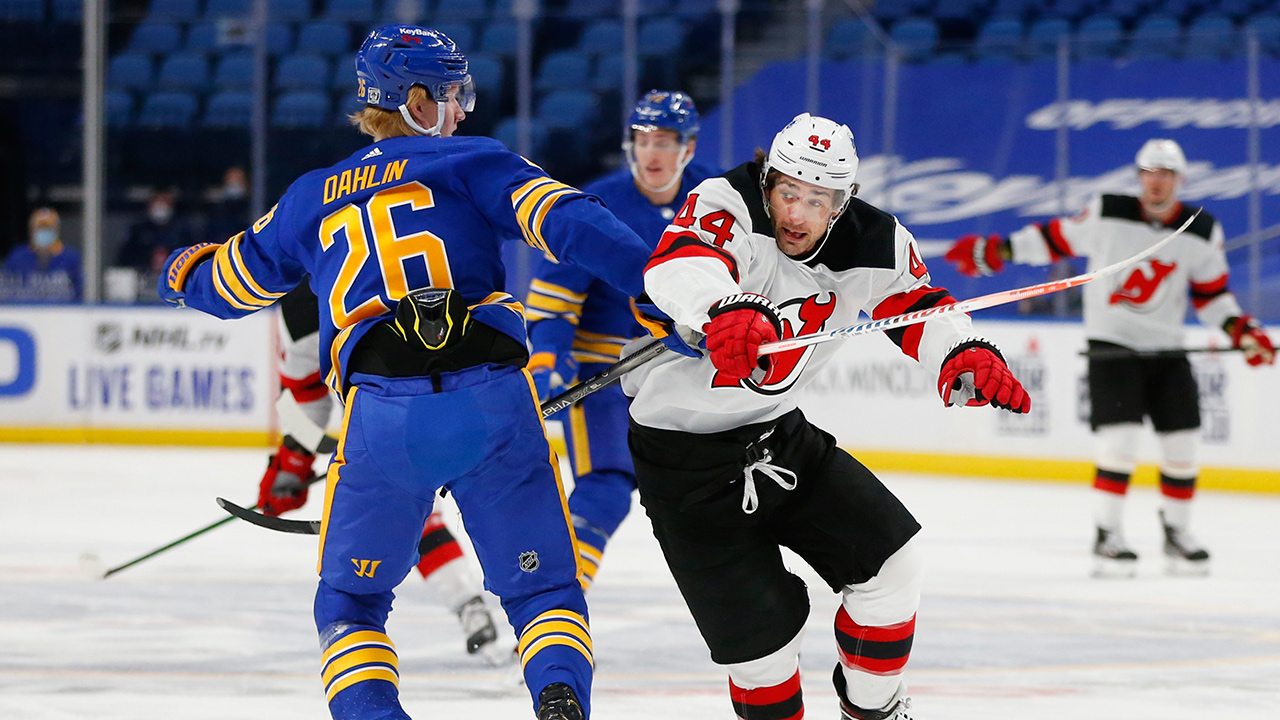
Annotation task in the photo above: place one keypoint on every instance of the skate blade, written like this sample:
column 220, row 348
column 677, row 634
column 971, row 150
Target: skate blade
column 1107, row 568
column 1181, row 567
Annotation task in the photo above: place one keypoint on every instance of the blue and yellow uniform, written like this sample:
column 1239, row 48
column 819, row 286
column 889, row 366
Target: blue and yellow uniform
column 402, row 214
column 578, row 323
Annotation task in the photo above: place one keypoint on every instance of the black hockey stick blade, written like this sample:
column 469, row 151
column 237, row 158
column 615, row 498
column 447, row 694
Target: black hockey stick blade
column 298, row 527
column 1121, row 353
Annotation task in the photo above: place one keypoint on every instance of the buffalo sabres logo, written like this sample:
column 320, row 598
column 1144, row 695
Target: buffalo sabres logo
column 809, row 315
column 529, row 561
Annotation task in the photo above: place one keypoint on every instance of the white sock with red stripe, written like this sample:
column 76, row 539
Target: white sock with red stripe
column 768, row 688
column 875, row 627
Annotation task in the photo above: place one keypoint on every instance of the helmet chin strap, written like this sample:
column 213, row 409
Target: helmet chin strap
column 683, row 161
column 408, row 118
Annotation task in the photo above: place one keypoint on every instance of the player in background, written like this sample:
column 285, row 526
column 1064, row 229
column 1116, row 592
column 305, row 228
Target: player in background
column 578, row 323
column 402, row 244
column 1142, row 310
column 289, row 473
column 729, row 469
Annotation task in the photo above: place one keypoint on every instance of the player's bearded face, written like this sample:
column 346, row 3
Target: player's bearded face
column 800, row 212
column 657, row 156
column 1159, row 188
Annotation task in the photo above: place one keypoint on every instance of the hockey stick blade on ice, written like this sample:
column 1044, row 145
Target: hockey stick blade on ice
column 603, row 379
column 978, row 303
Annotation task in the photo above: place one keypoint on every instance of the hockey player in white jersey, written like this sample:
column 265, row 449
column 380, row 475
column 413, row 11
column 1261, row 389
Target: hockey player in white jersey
column 1139, row 312
column 728, row 468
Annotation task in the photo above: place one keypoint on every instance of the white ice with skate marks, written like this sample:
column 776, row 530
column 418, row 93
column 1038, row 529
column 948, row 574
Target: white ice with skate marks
column 1011, row 626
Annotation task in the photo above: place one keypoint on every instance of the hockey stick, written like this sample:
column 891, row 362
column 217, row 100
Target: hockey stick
column 978, row 303
column 161, row 549
column 1119, row 354
column 603, row 379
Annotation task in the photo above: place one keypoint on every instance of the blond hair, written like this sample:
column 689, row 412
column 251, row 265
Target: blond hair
column 381, row 124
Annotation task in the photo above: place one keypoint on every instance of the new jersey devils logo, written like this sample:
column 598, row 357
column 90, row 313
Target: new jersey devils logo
column 811, row 315
column 1140, row 287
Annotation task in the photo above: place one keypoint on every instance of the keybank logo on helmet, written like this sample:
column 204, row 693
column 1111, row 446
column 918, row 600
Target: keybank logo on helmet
column 414, row 31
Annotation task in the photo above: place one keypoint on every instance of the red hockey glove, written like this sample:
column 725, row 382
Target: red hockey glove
column 284, row 486
column 975, row 374
column 1247, row 334
column 975, row 255
column 740, row 324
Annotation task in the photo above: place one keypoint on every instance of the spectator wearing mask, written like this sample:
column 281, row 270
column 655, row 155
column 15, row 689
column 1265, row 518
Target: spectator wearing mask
column 151, row 239
column 43, row 270
column 230, row 212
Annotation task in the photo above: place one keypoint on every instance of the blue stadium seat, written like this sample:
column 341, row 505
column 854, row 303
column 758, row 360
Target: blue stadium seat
column 459, row 32
column 279, row 38
column 1100, row 35
column 489, row 76
column 68, row 10
column 130, row 71
column 507, row 132
column 301, row 110
column 1000, row 37
column 324, row 37
column 500, row 38
column 1180, row 8
column 657, row 7
column 1042, row 38
column 344, row 75
column 1267, row 28
column 892, row 10
column 562, row 69
column 119, row 108
column 289, row 10
column 695, row 9
column 1211, row 36
column 228, row 110
column 302, row 72
column 609, row 70
column 179, row 11
column 22, row 10
column 346, row 103
column 461, row 10
column 234, row 72
column 167, row 110
column 227, row 9
column 1069, row 9
column 202, row 37
column 155, row 37
column 1127, row 10
column 356, row 11
column 958, row 9
column 601, row 37
column 660, row 36
column 849, row 37
column 1238, row 9
column 1019, row 9
column 184, row 71
column 1156, row 36
column 568, row 109
column 406, row 11
column 916, row 38
column 585, row 9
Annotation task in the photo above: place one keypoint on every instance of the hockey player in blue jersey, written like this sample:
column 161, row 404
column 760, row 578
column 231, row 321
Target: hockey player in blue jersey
column 578, row 323
column 402, row 245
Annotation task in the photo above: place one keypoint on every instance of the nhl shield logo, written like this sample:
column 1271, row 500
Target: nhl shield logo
column 529, row 561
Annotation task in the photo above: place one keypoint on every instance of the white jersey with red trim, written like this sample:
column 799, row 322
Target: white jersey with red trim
column 722, row 243
column 1143, row 307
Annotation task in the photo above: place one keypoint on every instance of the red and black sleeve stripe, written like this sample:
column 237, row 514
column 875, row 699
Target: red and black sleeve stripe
column 874, row 650
column 776, row 702
column 685, row 245
column 437, row 547
column 305, row 389
column 1204, row 293
column 1058, row 246
column 908, row 338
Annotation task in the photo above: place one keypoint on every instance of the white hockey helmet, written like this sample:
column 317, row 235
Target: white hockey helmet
column 817, row 151
column 1159, row 154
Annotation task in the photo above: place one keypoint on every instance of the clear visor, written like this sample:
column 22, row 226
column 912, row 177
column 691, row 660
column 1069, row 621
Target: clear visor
column 464, row 92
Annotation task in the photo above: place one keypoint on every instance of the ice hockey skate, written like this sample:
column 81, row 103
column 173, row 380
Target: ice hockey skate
column 482, row 634
column 898, row 707
column 1183, row 553
column 1112, row 557
column 557, row 701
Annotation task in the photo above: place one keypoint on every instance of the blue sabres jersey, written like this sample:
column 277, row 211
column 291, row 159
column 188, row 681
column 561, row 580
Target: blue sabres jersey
column 572, row 309
column 408, row 213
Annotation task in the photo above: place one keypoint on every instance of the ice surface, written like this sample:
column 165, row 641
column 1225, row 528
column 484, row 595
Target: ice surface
column 1011, row 626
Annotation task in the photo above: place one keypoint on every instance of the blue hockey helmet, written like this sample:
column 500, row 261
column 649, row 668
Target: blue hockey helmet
column 665, row 110
column 394, row 58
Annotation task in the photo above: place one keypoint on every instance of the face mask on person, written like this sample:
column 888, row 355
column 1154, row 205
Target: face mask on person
column 234, row 191
column 160, row 213
column 44, row 238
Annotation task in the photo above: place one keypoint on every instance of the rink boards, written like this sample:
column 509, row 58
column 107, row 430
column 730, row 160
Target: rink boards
column 162, row 376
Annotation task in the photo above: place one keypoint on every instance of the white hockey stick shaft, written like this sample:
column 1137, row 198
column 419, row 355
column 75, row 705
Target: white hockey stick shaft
column 978, row 303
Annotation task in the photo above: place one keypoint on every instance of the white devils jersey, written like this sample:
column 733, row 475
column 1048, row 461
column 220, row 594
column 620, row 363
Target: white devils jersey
column 722, row 243
column 1142, row 307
